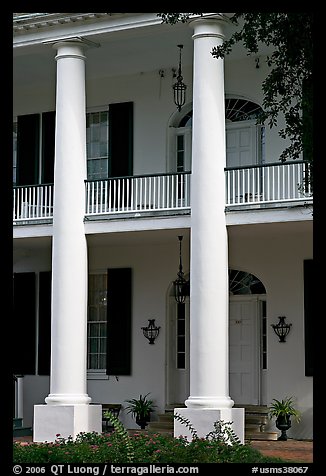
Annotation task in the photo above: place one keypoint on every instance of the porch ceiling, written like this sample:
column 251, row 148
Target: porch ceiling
column 128, row 51
column 268, row 230
column 153, row 237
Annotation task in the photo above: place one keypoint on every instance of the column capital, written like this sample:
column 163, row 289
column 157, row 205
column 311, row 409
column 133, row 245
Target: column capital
column 210, row 26
column 71, row 47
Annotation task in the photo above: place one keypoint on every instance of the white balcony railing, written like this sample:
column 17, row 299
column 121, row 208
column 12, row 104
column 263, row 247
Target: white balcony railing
column 275, row 183
column 33, row 202
column 268, row 183
column 138, row 194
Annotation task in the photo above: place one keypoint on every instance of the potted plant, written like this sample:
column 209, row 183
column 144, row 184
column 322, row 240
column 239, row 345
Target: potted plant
column 283, row 410
column 140, row 408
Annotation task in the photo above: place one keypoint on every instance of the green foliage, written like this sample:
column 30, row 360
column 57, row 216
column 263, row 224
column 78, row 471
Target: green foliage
column 223, row 431
column 219, row 446
column 146, row 448
column 122, row 434
column 284, row 407
column 287, row 88
column 140, row 407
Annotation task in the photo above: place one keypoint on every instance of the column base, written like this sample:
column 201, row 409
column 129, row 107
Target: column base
column 203, row 419
column 65, row 420
column 209, row 402
column 67, row 399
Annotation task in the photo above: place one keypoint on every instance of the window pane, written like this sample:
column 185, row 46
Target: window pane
column 181, row 361
column 14, row 153
column 97, row 324
column 97, row 145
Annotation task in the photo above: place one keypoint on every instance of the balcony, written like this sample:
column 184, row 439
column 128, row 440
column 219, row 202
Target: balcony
column 258, row 186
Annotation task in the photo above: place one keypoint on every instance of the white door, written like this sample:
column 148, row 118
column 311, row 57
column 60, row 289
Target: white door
column 178, row 352
column 244, row 349
column 241, row 144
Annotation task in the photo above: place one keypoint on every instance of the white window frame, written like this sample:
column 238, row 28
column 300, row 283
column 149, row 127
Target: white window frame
column 95, row 373
column 95, row 110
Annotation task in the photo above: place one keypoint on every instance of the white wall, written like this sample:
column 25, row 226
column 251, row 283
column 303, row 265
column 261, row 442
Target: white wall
column 153, row 267
column 242, row 78
column 276, row 257
column 154, row 106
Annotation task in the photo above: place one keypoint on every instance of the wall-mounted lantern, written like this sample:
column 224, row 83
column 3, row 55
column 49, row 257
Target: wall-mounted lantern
column 281, row 329
column 151, row 331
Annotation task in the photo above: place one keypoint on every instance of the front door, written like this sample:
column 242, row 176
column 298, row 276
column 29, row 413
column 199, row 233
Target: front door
column 246, row 387
column 244, row 349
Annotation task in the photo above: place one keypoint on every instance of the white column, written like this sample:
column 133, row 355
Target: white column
column 69, row 256
column 209, row 296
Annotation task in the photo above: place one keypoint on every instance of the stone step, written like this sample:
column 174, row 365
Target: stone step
column 170, row 408
column 17, row 422
column 261, row 435
column 252, row 426
column 161, row 424
column 166, row 417
column 256, row 418
column 23, row 431
column 259, row 419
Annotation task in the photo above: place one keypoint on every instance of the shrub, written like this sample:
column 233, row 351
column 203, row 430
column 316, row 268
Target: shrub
column 219, row 446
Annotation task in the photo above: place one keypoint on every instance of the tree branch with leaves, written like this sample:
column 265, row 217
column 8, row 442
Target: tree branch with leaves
column 288, row 87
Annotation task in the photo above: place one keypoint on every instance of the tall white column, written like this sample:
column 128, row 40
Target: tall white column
column 209, row 296
column 69, row 256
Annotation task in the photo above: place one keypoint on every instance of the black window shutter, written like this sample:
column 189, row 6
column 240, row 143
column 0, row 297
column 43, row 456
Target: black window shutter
column 44, row 329
column 48, row 135
column 119, row 305
column 28, row 139
column 121, row 139
column 24, row 324
column 308, row 316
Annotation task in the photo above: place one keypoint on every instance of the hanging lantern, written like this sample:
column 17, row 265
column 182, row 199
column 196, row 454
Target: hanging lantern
column 181, row 285
column 179, row 87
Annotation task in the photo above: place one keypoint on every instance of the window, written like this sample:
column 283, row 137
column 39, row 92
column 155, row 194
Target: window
column 109, row 145
column 263, row 335
column 15, row 153
column 97, row 144
column 308, row 280
column 241, row 116
column 241, row 282
column 32, row 317
column 33, row 150
column 109, row 322
column 97, row 322
column 181, row 336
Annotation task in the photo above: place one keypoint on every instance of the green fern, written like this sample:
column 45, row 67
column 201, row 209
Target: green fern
column 222, row 432
column 187, row 423
column 122, row 433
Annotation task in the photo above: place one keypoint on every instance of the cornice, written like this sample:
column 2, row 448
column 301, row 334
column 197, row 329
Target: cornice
column 23, row 22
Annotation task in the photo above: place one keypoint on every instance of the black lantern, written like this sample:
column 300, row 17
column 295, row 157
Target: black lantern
column 281, row 329
column 179, row 87
column 181, row 285
column 151, row 331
